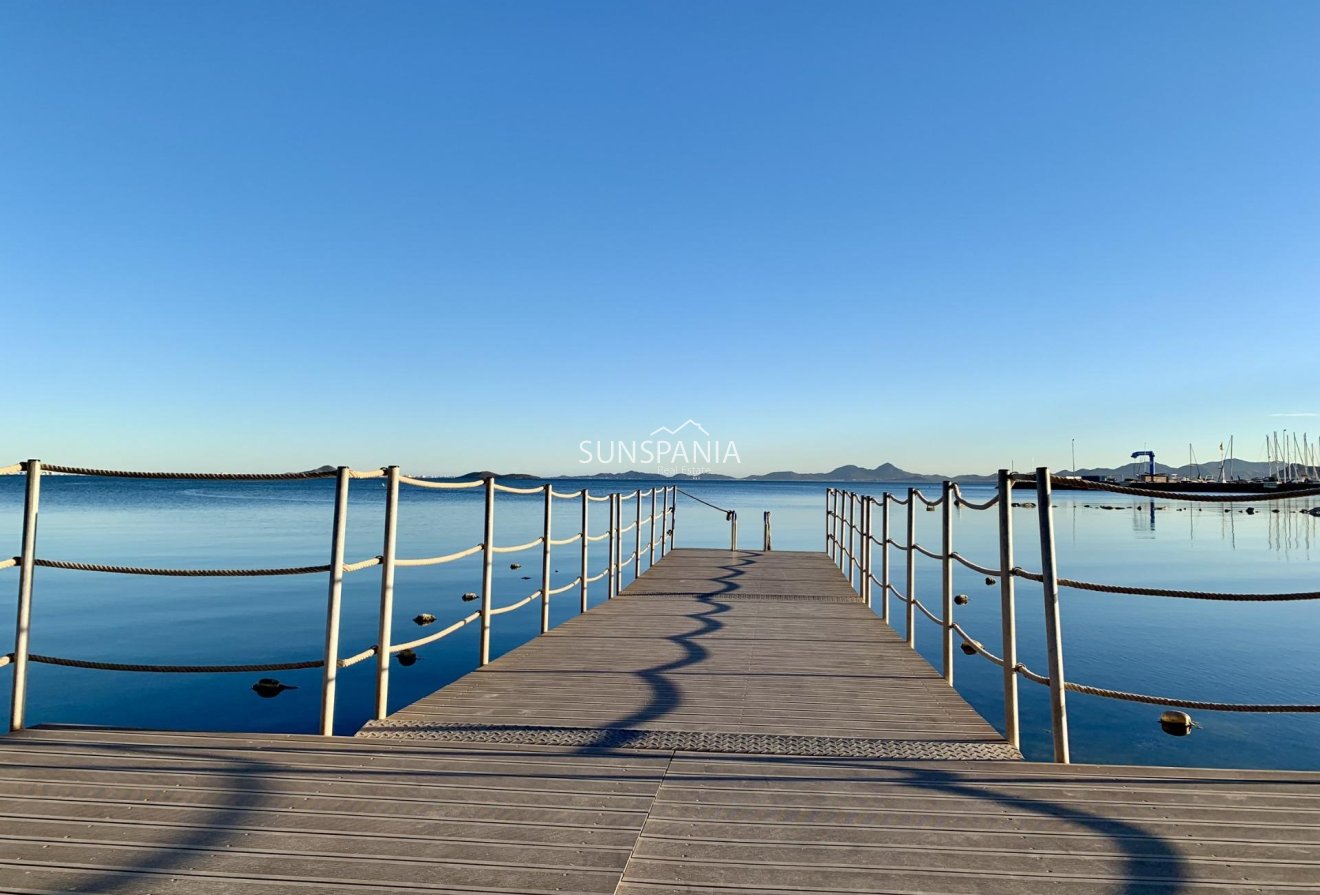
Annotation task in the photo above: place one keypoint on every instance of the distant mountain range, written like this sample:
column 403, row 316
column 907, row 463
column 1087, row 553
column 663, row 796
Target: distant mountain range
column 888, row 472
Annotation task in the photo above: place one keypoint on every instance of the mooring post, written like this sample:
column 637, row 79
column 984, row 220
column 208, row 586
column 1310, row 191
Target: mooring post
column 637, row 538
column 673, row 514
column 384, row 630
column 1053, row 628
column 546, row 529
column 767, row 532
column 26, row 568
column 331, row 656
column 1007, row 611
column 884, row 557
column 912, row 568
column 866, row 550
column 586, row 529
column 733, row 530
column 487, row 568
column 946, row 574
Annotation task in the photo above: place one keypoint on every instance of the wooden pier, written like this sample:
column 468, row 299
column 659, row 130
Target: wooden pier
column 733, row 722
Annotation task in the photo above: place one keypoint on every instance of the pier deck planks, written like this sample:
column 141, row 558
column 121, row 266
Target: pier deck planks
column 772, row 652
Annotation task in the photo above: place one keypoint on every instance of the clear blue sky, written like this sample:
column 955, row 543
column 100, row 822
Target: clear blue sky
column 471, row 235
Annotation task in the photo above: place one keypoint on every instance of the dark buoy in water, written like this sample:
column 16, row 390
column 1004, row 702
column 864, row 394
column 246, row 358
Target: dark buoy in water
column 527, row 578
column 989, row 581
column 268, row 688
column 1176, row 724
column 407, row 657
column 425, row 618
column 515, row 565
column 960, row 599
column 469, row 597
column 968, row 648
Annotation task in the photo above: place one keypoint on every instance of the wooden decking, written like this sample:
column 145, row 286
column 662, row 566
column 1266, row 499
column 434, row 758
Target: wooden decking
column 734, row 723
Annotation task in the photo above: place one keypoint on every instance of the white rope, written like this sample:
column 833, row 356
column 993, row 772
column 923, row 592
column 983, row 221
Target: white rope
column 599, row 499
column 628, row 496
column 449, row 486
column 10, row 470
column 985, row 505
column 4, row 564
column 598, row 577
column 926, row 500
column 922, row 550
column 363, row 564
column 518, row 547
column 366, row 473
column 521, row 603
column 624, row 531
column 6, row 659
column 572, row 584
column 600, row 537
column 432, row 638
column 568, row 496
column 562, row 541
column 904, row 547
column 984, row 570
column 437, row 560
column 509, row 489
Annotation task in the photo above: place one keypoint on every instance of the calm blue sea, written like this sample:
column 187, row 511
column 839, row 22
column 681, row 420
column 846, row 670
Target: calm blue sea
column 1234, row 652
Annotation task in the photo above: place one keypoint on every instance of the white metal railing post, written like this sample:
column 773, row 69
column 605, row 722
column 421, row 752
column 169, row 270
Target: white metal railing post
column 546, row 530
column 487, row 569
column 851, row 539
column 911, row 608
column 767, row 546
column 637, row 538
column 386, row 622
column 651, row 529
column 884, row 557
column 829, row 522
column 866, row 550
column 612, row 545
column 331, row 657
column 838, row 528
column 1007, row 610
column 1053, row 628
column 946, row 576
column 26, row 568
column 673, row 514
column 733, row 529
column 586, row 529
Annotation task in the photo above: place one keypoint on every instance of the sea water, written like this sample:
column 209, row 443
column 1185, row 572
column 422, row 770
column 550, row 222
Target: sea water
column 1216, row 651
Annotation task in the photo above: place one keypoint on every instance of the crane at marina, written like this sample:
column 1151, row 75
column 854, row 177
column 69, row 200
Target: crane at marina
column 1150, row 454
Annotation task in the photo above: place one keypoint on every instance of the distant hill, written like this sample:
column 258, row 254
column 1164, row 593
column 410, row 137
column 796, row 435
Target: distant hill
column 887, row 472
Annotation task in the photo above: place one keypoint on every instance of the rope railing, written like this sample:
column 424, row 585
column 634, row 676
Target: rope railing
column 325, row 472
column 976, row 567
column 442, row 486
column 1240, row 497
column 338, row 569
column 509, row 489
column 1168, row 592
column 535, row 595
column 517, row 548
column 397, row 648
column 440, row 560
column 848, row 524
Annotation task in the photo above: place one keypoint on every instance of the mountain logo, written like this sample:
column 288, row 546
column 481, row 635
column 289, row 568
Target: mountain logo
column 690, row 422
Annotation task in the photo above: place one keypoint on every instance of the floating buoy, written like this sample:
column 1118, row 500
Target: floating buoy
column 989, row 581
column 515, row 565
column 1176, row 724
column 1251, row 511
column 960, row 599
column 425, row 618
column 527, row 578
column 407, row 657
column 968, row 648
column 268, row 687
column 469, row 597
